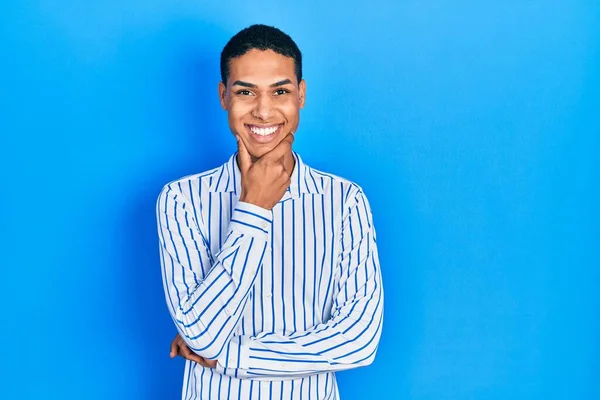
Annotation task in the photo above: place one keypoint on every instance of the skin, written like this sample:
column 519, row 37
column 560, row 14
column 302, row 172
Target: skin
column 262, row 91
column 179, row 348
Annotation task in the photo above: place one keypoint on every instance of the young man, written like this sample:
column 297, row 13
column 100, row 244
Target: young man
column 270, row 267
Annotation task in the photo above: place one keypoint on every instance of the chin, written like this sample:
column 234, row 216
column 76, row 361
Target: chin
column 259, row 151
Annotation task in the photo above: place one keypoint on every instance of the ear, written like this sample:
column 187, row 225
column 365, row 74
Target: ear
column 223, row 95
column 302, row 92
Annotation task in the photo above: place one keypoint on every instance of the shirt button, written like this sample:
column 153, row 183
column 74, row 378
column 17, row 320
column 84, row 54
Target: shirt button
column 265, row 225
column 268, row 295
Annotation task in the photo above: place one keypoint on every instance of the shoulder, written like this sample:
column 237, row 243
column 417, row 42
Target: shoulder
column 341, row 190
column 183, row 188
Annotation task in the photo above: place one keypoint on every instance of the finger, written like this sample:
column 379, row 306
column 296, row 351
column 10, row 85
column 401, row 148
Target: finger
column 286, row 172
column 175, row 345
column 188, row 354
column 208, row 363
column 244, row 158
column 174, row 349
column 197, row 359
column 204, row 362
column 285, row 183
column 280, row 150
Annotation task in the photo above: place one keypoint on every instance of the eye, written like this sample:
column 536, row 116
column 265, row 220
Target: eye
column 279, row 92
column 243, row 92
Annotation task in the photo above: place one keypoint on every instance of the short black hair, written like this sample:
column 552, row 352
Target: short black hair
column 260, row 37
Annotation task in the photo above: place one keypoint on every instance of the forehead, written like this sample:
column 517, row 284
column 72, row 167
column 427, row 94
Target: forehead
column 262, row 67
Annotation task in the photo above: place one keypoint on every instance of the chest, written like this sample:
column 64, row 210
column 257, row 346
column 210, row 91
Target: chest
column 298, row 280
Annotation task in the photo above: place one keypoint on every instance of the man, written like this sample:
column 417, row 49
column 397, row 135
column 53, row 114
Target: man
column 270, row 267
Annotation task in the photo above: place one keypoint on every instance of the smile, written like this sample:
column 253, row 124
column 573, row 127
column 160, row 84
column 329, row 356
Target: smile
column 264, row 133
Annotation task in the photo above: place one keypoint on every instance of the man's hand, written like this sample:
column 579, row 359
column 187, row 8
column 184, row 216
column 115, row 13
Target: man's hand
column 265, row 181
column 179, row 348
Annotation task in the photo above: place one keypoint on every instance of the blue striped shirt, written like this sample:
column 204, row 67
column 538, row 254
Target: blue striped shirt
column 282, row 298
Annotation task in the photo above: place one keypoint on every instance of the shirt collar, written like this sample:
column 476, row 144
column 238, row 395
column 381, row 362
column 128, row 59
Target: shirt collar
column 303, row 180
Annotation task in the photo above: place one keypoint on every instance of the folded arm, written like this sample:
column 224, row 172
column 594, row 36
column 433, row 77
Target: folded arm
column 348, row 339
column 206, row 294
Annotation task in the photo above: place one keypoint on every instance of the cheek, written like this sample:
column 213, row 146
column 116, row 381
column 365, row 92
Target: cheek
column 237, row 111
column 290, row 110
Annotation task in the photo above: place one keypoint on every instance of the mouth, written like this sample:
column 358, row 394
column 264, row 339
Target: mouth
column 263, row 133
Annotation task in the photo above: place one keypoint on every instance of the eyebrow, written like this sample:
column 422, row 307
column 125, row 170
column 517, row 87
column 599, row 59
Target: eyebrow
column 252, row 85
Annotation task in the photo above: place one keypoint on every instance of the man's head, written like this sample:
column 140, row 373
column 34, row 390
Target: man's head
column 262, row 87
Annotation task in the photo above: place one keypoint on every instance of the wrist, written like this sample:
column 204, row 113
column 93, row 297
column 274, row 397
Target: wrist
column 248, row 199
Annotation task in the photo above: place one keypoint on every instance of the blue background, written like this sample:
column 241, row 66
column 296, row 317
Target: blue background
column 472, row 126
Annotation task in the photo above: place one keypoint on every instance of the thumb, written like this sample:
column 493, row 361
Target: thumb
column 244, row 159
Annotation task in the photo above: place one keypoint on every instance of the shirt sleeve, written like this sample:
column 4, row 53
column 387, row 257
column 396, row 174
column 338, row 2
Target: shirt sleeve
column 206, row 294
column 347, row 340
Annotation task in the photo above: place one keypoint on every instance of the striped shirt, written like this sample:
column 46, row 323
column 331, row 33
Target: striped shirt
column 282, row 298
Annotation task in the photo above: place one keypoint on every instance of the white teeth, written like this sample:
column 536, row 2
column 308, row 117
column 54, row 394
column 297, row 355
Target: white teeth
column 263, row 131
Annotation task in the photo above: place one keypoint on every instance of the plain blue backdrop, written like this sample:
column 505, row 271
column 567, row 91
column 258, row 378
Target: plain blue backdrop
column 473, row 127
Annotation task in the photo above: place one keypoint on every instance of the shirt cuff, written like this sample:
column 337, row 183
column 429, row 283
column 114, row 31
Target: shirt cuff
column 252, row 220
column 236, row 355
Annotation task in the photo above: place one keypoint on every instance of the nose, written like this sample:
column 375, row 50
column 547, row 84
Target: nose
column 264, row 108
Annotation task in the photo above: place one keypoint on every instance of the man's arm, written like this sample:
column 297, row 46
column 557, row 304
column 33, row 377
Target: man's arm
column 207, row 309
column 348, row 340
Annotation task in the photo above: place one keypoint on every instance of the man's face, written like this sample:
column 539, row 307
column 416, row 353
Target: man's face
column 263, row 99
